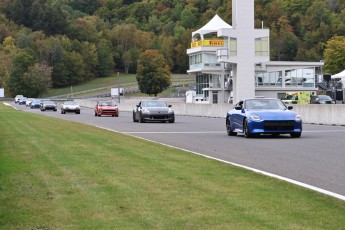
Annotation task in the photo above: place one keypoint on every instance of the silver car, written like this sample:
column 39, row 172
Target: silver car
column 151, row 110
column 48, row 105
column 70, row 106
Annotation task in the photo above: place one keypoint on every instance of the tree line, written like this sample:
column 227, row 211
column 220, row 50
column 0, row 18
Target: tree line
column 57, row 43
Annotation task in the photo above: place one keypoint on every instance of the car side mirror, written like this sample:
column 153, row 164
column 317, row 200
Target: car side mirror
column 238, row 107
column 290, row 107
column 138, row 106
column 169, row 106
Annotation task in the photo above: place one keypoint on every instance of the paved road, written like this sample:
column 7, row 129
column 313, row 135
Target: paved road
column 317, row 158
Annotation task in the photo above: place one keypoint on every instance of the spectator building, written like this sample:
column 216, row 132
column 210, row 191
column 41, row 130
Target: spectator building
column 231, row 63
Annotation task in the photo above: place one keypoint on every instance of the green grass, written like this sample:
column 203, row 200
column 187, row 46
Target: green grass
column 114, row 80
column 56, row 174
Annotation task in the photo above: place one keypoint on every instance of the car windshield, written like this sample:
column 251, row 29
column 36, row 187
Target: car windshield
column 106, row 103
column 153, row 104
column 325, row 97
column 264, row 104
column 70, row 103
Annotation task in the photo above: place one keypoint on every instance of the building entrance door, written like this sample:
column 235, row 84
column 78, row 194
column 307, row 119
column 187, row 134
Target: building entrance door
column 215, row 97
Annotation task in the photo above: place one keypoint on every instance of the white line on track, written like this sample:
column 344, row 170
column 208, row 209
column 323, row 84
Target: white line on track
column 320, row 190
column 210, row 132
column 196, row 132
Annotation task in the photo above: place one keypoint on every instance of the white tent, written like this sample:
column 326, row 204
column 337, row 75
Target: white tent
column 212, row 26
column 339, row 75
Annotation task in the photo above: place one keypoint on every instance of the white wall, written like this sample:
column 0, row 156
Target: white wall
column 314, row 114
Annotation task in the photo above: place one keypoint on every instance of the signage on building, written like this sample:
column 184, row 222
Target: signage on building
column 207, row 43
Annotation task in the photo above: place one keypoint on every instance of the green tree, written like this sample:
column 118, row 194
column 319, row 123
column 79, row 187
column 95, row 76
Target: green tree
column 334, row 55
column 21, row 63
column 105, row 59
column 5, row 68
column 69, row 71
column 153, row 74
column 37, row 80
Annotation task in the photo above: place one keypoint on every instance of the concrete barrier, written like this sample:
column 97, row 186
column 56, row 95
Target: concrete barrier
column 314, row 114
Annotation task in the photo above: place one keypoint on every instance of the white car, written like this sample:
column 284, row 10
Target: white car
column 17, row 98
column 29, row 101
column 70, row 106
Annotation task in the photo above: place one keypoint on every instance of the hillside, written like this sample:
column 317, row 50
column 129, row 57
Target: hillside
column 75, row 41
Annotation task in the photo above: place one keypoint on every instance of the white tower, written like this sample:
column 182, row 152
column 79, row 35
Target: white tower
column 244, row 60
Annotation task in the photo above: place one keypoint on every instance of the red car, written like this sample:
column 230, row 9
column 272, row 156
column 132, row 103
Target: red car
column 106, row 108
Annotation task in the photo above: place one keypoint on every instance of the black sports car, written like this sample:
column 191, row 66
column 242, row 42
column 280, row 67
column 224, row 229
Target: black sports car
column 153, row 111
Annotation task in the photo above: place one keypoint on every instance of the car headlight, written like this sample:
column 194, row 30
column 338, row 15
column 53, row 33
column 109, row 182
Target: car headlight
column 255, row 118
column 322, row 102
column 145, row 111
column 170, row 111
column 298, row 118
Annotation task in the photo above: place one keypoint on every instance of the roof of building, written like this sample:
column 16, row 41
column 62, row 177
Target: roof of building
column 212, row 26
column 339, row 75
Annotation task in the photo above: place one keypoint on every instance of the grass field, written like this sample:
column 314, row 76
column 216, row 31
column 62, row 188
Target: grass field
column 114, row 80
column 56, row 174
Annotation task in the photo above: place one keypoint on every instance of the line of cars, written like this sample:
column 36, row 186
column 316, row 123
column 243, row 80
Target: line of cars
column 252, row 117
column 145, row 111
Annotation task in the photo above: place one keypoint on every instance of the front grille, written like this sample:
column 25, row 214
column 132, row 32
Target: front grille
column 279, row 125
column 108, row 111
column 328, row 102
column 159, row 117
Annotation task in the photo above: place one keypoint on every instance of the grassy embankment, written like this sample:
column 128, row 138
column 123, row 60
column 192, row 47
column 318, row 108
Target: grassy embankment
column 56, row 174
column 113, row 81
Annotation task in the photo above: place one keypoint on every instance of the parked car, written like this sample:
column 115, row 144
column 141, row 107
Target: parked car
column 48, row 105
column 17, row 98
column 263, row 116
column 70, row 106
column 28, row 101
column 321, row 99
column 151, row 110
column 22, row 101
column 106, row 108
column 35, row 104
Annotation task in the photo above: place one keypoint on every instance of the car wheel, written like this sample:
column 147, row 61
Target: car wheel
column 141, row 120
column 134, row 120
column 295, row 135
column 77, row 112
column 172, row 120
column 228, row 128
column 246, row 131
column 95, row 114
column 61, row 111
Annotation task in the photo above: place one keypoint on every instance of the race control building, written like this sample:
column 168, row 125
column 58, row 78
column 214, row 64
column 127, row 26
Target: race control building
column 231, row 63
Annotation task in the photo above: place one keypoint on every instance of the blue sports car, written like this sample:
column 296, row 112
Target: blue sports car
column 263, row 116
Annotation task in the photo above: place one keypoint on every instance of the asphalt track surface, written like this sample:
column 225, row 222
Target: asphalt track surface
column 316, row 159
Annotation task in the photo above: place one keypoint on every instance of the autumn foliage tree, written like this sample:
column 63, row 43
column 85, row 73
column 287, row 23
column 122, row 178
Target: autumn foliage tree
column 153, row 73
column 335, row 55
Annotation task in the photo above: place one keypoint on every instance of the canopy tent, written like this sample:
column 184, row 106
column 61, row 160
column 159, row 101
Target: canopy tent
column 339, row 75
column 212, row 26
